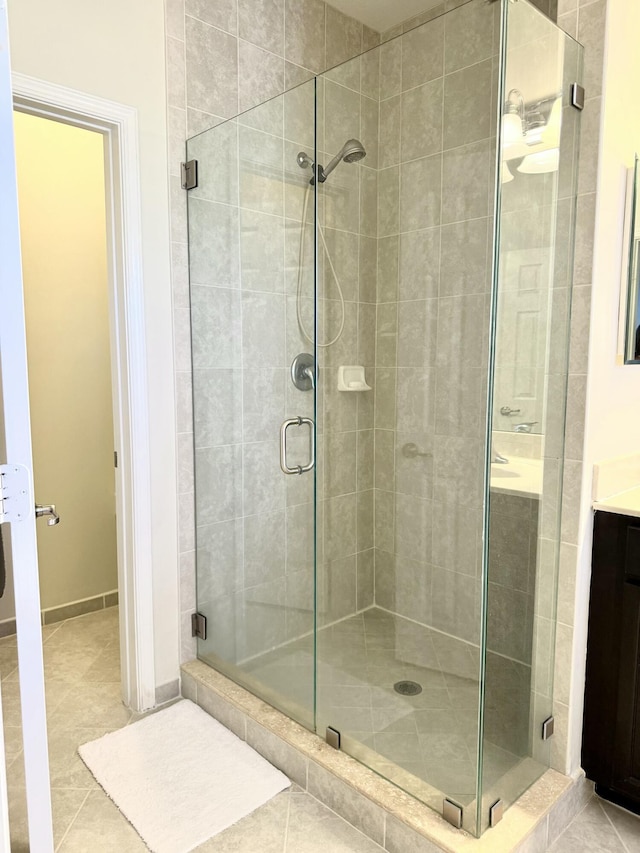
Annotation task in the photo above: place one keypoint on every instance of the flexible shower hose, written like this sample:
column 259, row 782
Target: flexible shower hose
column 300, row 268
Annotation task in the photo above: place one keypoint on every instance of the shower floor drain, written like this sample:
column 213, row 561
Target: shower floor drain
column 407, row 688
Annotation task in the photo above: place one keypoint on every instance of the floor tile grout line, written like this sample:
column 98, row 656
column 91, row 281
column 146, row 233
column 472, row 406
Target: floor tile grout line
column 286, row 826
column 73, row 820
column 613, row 826
column 69, row 681
column 355, row 828
column 571, row 822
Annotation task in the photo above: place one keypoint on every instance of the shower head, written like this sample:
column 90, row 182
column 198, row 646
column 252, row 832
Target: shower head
column 352, row 151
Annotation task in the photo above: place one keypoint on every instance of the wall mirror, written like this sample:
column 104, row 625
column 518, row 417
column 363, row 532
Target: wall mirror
column 630, row 302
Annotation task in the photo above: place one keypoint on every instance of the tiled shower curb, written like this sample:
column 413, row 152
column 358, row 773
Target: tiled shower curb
column 386, row 814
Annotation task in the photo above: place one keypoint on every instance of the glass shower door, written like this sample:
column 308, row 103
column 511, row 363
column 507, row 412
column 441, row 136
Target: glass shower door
column 251, row 260
column 408, row 230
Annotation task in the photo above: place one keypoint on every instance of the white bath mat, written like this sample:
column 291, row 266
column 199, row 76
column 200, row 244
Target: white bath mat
column 180, row 777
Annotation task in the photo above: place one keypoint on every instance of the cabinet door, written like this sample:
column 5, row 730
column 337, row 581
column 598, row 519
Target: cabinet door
column 626, row 766
column 611, row 733
column 601, row 690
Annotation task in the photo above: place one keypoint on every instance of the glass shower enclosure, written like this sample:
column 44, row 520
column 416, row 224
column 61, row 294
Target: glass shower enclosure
column 380, row 267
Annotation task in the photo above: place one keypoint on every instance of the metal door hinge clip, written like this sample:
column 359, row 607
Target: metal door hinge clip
column 333, row 737
column 199, row 626
column 547, row 728
column 15, row 493
column 496, row 813
column 452, row 813
column 189, row 173
column 577, row 96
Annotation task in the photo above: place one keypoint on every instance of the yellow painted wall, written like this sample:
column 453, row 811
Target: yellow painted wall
column 63, row 230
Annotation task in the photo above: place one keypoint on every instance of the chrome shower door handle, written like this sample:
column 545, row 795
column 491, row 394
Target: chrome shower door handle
column 298, row 469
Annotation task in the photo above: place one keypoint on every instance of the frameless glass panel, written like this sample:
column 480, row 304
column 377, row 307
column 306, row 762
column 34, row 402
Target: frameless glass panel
column 533, row 292
column 341, row 243
column 252, row 312
column 407, row 230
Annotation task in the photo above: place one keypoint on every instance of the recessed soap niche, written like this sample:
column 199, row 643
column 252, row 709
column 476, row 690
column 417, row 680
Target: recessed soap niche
column 351, row 378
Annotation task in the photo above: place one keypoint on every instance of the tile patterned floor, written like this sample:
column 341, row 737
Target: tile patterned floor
column 600, row 828
column 82, row 680
column 82, row 675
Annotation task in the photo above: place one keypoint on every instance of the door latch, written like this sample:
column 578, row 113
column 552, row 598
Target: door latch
column 48, row 510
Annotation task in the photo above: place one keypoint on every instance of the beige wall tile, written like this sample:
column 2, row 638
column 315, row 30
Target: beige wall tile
column 260, row 75
column 222, row 14
column 343, row 37
column 262, row 23
column 422, row 121
column 305, row 33
column 211, row 68
column 422, row 55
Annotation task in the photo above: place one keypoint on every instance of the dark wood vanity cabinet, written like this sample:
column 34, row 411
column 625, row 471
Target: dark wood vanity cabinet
column 611, row 734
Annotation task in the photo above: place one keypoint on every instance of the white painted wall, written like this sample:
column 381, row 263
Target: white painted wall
column 613, row 392
column 115, row 50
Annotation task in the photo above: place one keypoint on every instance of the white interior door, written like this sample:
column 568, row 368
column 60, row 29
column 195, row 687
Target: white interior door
column 18, row 517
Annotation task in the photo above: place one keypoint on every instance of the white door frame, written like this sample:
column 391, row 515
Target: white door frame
column 119, row 125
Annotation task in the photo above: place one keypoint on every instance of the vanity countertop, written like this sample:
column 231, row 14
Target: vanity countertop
column 624, row 503
column 616, row 485
column 520, row 476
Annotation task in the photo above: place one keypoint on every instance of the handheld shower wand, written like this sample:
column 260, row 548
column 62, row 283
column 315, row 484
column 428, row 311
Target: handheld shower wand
column 352, row 151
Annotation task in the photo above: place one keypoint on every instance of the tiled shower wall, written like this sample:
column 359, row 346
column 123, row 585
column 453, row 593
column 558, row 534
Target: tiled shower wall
column 224, row 56
column 347, row 108
column 437, row 90
column 255, row 527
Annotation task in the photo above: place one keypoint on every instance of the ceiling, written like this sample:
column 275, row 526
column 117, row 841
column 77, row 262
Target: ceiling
column 381, row 15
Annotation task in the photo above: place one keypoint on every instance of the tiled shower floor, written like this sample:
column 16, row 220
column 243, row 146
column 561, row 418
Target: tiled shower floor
column 427, row 738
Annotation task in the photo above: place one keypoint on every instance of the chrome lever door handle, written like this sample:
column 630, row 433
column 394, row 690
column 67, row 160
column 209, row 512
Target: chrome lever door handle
column 50, row 511
column 298, row 469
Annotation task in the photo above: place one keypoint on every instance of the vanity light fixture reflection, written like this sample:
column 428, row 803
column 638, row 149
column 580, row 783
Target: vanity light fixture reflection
column 528, row 136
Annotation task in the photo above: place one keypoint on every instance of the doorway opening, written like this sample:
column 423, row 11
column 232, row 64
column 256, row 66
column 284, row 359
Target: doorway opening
column 62, row 197
column 75, row 697
column 63, row 228
column 112, row 129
